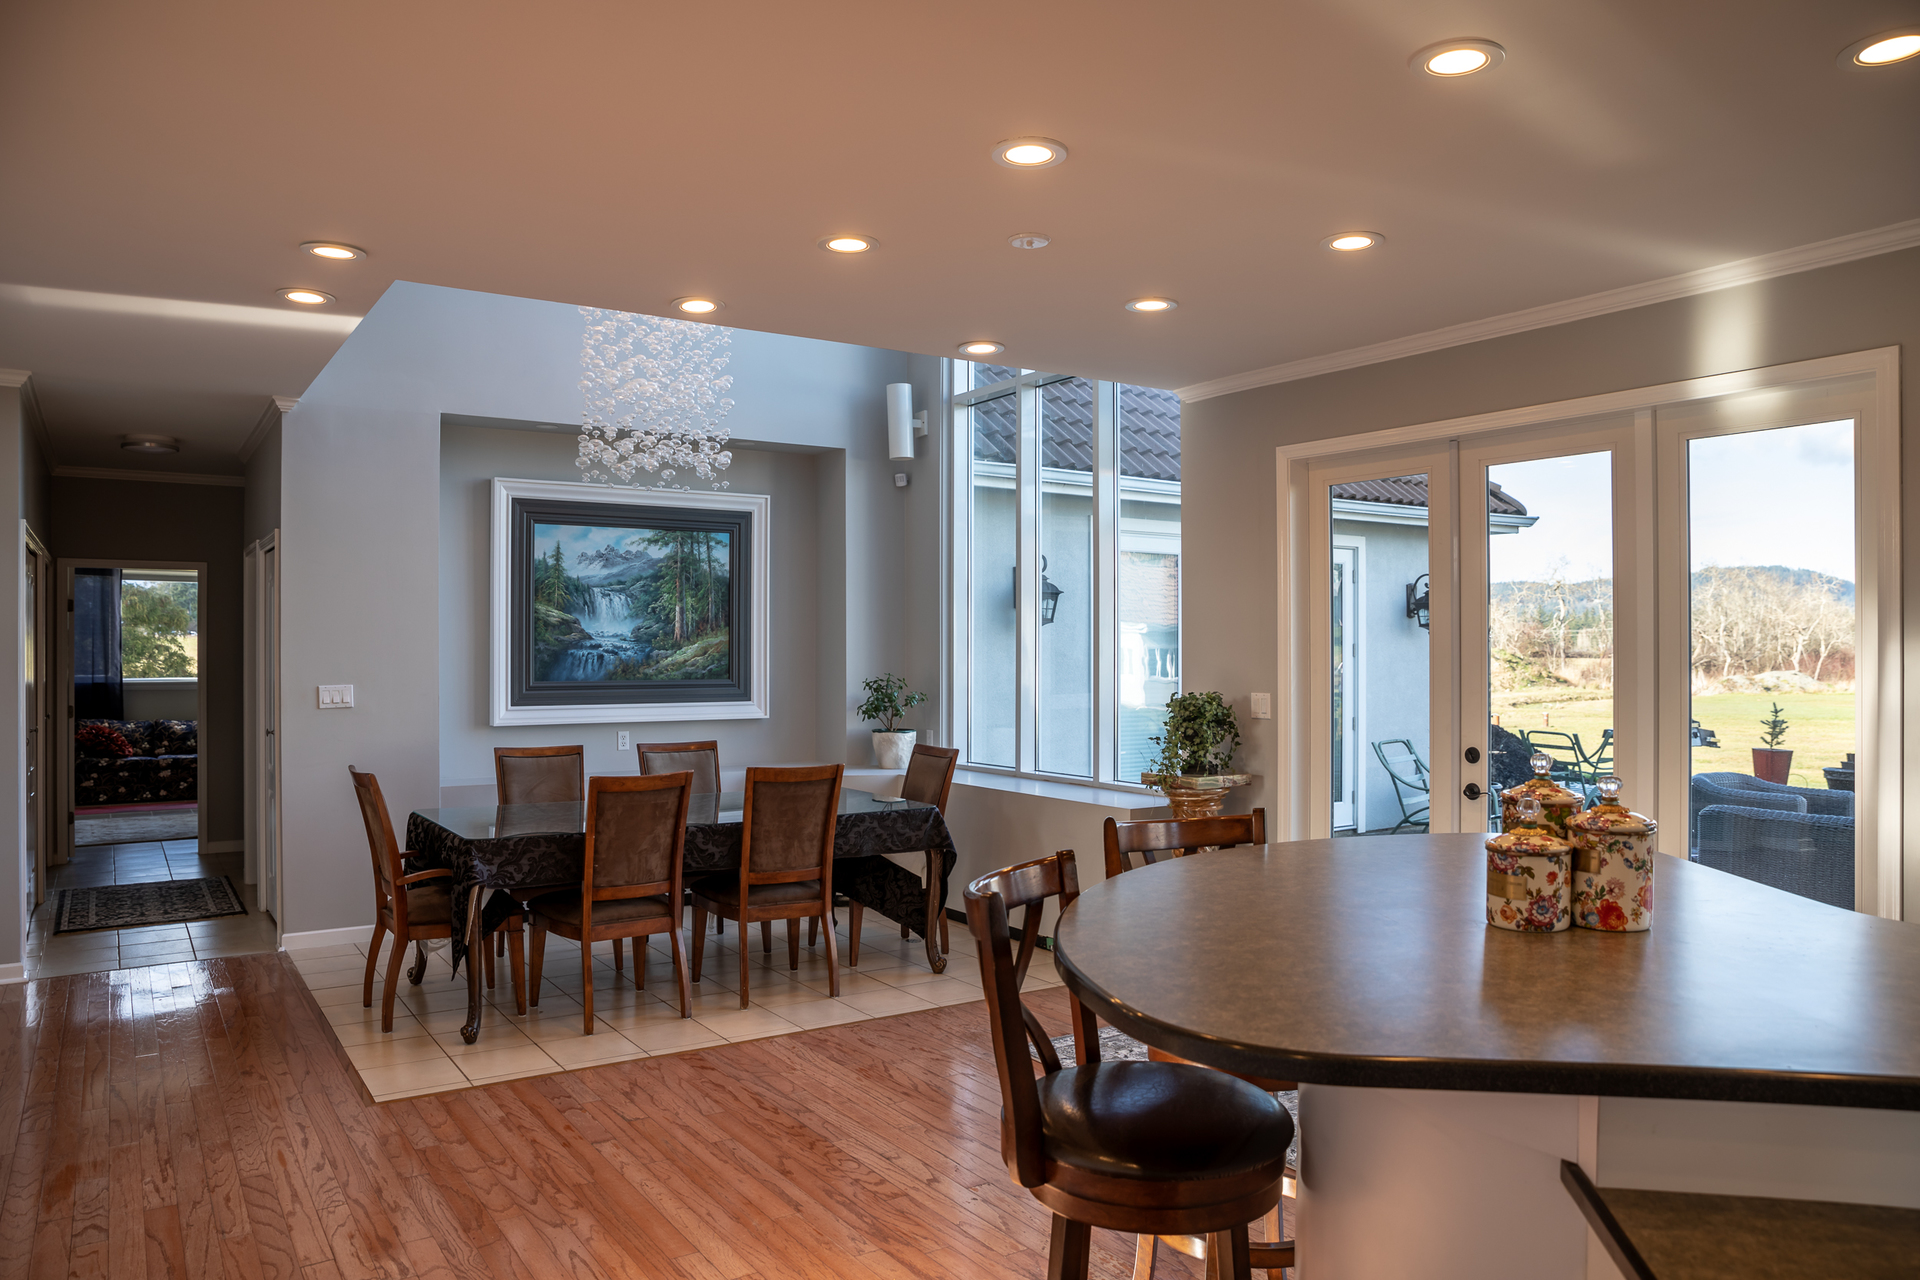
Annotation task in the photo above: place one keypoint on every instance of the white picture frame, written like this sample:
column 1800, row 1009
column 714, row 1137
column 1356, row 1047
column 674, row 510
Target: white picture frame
column 503, row 709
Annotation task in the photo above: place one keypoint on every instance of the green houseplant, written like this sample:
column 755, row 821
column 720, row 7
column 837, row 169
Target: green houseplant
column 887, row 701
column 1770, row 762
column 1194, row 768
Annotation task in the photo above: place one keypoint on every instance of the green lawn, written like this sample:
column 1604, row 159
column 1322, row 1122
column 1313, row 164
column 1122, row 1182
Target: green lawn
column 1821, row 731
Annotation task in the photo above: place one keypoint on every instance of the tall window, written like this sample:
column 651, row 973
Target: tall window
column 1069, row 626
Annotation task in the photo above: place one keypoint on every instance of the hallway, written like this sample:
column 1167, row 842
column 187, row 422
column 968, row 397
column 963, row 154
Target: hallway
column 49, row 955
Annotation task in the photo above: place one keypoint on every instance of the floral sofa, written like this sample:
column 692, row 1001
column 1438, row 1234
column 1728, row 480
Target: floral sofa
column 135, row 762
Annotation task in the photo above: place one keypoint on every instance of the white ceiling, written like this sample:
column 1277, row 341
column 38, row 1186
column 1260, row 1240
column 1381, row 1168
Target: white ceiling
column 622, row 155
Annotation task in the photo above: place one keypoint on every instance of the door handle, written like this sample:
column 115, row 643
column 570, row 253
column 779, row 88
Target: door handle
column 1472, row 791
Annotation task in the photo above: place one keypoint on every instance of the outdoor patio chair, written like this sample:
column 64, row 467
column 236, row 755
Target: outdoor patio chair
column 1745, row 791
column 1810, row 854
column 1569, row 758
column 1410, row 783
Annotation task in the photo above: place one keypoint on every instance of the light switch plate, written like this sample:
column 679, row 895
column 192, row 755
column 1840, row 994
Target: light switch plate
column 334, row 697
column 1263, row 706
column 626, row 740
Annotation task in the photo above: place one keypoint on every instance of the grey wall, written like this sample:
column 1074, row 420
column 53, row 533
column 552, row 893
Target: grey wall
column 262, row 514
column 1230, row 471
column 129, row 520
column 361, row 459
column 470, row 458
column 13, row 809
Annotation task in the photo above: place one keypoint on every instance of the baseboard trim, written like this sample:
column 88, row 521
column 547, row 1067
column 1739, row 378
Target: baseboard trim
column 223, row 846
column 12, row 973
column 325, row 937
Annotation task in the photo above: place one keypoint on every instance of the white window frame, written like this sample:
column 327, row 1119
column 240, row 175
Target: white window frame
column 1111, row 536
column 1887, row 853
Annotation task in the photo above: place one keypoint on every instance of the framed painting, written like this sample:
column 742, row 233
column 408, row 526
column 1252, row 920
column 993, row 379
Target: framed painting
column 627, row 604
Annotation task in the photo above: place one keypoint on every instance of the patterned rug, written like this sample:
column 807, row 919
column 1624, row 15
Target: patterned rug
column 133, row 828
column 129, row 906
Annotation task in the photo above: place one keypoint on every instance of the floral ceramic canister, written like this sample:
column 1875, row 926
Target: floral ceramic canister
column 1556, row 802
column 1529, row 876
column 1613, row 865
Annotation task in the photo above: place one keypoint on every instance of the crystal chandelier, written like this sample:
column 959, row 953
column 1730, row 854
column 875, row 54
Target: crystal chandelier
column 655, row 397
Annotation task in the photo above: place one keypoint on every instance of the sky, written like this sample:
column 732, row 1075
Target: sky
column 1760, row 497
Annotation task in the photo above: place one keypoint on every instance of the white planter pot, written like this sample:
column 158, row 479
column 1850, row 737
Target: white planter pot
column 892, row 749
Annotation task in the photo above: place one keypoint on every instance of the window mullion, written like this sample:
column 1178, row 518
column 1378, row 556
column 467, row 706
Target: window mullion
column 1106, row 577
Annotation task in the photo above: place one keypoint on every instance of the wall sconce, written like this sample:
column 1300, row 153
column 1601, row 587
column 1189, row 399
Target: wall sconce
column 903, row 424
column 1417, row 592
column 1049, row 594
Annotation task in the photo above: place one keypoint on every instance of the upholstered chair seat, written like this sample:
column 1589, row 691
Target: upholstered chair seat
column 725, row 891
column 564, row 907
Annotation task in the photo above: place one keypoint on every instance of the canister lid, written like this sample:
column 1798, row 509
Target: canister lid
column 1612, row 817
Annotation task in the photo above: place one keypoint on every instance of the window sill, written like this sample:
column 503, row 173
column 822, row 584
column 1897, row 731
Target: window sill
column 1106, row 797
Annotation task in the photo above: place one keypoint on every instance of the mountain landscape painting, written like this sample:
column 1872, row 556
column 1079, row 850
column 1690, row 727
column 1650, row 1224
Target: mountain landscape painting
column 618, row 604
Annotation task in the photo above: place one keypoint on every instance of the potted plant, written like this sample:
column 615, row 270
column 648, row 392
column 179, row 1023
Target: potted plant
column 1770, row 763
column 1194, row 770
column 887, row 701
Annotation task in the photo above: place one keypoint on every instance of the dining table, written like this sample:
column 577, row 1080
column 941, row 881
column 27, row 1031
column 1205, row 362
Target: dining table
column 527, row 846
column 1752, row 1042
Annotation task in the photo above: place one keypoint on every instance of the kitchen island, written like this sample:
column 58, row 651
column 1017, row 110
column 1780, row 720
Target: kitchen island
column 1752, row 1043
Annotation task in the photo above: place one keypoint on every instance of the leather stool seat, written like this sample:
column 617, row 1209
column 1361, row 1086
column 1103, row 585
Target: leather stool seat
column 1161, row 1121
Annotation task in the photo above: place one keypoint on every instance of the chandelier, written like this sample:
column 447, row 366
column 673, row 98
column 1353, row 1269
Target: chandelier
column 655, row 398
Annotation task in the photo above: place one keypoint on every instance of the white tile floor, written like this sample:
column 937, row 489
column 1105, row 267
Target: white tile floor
column 49, row 954
column 424, row 1052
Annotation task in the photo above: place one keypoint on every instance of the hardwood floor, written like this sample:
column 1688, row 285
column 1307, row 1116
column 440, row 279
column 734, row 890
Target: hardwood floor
column 197, row 1120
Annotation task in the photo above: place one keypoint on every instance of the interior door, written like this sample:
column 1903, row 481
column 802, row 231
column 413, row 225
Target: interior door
column 33, row 690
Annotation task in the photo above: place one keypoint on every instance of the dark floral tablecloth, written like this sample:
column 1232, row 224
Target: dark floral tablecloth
column 507, row 861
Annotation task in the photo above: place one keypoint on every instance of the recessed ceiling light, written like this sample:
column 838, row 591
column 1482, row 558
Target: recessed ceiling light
column 1152, row 304
column 1028, row 240
column 333, row 251
column 696, row 306
column 306, row 297
column 981, row 348
column 1451, row 59
column 849, row 244
column 1030, row 153
column 149, row 444
column 1879, row 51
column 1353, row 241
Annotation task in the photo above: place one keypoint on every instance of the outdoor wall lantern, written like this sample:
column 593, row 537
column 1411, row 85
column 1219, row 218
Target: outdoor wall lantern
column 1417, row 592
column 1049, row 594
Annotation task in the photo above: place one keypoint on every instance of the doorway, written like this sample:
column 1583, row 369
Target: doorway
column 1628, row 585
column 262, row 606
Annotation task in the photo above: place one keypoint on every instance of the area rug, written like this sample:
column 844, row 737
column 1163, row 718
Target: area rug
column 133, row 828
column 130, row 906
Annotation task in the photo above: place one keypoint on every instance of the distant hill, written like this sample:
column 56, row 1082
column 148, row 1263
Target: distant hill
column 1598, row 592
column 1843, row 590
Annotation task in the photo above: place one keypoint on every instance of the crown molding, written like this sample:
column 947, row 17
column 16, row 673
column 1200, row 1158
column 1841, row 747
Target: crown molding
column 277, row 406
column 148, row 477
column 1806, row 257
column 14, row 377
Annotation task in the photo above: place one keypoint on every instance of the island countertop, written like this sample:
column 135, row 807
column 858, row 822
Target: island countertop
column 1368, row 962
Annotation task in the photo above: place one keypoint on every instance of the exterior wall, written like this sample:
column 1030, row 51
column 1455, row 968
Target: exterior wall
column 1229, row 465
column 137, row 520
column 1394, row 659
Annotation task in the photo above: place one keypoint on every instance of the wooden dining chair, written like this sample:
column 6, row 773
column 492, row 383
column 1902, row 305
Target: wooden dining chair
column 536, row 775
column 1153, row 840
column 630, row 880
column 540, row 775
column 1150, row 1148
column 929, row 780
column 702, row 759
column 786, row 864
column 413, row 908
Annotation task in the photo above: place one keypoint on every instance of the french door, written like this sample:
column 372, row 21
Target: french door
column 1677, row 593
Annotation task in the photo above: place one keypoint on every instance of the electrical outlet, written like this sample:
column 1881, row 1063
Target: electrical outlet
column 1263, row 706
column 626, row 740
column 334, row 697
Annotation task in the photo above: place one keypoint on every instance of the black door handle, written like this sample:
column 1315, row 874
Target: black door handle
column 1473, row 791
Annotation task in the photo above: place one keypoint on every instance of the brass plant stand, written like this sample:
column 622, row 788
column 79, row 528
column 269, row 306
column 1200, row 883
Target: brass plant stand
column 1195, row 795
